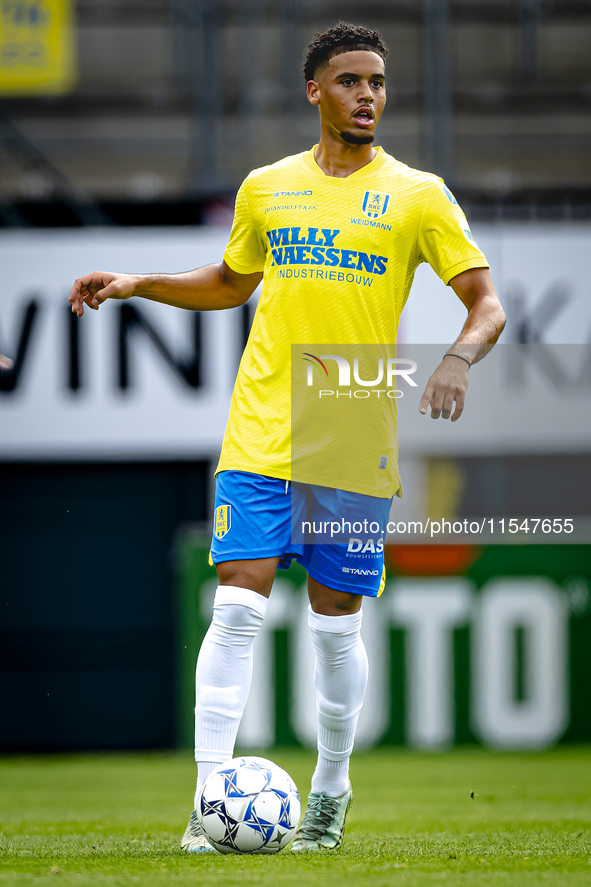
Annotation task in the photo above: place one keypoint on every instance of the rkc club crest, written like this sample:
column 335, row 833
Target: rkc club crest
column 223, row 520
column 375, row 205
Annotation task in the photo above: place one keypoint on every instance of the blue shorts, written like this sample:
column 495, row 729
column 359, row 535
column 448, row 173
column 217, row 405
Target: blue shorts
column 336, row 535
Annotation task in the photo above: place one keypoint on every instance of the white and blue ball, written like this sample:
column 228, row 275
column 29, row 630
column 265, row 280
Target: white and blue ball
column 249, row 805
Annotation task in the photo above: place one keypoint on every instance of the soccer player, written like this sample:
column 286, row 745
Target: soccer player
column 336, row 234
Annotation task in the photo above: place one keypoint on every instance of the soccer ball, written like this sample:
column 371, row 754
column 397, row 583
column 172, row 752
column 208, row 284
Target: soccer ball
column 249, row 805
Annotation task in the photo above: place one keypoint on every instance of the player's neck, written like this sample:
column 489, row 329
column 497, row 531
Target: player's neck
column 337, row 158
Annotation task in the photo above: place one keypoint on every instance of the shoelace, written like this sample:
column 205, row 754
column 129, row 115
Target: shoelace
column 194, row 826
column 318, row 818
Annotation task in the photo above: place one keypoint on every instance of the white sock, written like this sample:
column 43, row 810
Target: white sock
column 224, row 671
column 340, row 679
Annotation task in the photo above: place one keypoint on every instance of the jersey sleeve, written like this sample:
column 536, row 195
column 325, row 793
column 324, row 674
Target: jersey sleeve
column 445, row 239
column 245, row 252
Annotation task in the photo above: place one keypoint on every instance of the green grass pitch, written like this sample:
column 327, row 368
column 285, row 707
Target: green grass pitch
column 116, row 819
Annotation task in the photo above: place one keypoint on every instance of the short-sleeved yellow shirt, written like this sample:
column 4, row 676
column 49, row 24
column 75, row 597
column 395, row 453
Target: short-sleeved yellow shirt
column 338, row 257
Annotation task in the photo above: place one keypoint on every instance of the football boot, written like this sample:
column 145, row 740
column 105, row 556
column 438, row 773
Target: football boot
column 323, row 825
column 194, row 840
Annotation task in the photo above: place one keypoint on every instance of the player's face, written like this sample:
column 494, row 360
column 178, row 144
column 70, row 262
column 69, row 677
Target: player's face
column 351, row 93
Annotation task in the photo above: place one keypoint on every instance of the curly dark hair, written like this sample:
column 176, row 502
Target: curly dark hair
column 343, row 37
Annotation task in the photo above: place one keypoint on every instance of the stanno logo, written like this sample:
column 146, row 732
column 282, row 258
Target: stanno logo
column 356, row 572
column 292, row 194
column 375, row 205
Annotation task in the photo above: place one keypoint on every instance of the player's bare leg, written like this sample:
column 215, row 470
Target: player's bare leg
column 224, row 670
column 257, row 575
column 329, row 602
column 340, row 680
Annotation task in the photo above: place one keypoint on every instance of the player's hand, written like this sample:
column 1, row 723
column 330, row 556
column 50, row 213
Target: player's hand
column 448, row 383
column 5, row 363
column 94, row 289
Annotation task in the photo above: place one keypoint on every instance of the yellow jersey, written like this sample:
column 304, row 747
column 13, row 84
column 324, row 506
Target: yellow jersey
column 338, row 257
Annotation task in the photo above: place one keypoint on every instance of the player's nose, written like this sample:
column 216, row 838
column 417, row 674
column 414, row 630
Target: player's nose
column 365, row 94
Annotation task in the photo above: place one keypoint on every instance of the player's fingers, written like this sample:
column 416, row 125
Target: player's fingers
column 84, row 284
column 425, row 399
column 113, row 289
column 5, row 362
column 86, row 287
column 448, row 402
column 78, row 306
column 74, row 292
column 76, row 299
column 95, row 279
column 459, row 407
column 436, row 404
column 82, row 288
column 87, row 300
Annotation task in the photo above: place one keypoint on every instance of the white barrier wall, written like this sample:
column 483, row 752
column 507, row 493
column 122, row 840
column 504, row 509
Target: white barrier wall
column 103, row 389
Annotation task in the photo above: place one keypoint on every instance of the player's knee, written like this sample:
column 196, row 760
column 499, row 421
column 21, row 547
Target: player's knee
column 346, row 603
column 257, row 575
column 238, row 613
column 327, row 602
column 231, row 622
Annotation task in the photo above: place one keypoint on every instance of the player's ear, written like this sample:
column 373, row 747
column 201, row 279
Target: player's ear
column 313, row 90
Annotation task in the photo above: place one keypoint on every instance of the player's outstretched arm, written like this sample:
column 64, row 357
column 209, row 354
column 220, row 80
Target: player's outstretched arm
column 205, row 289
column 483, row 326
column 5, row 363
